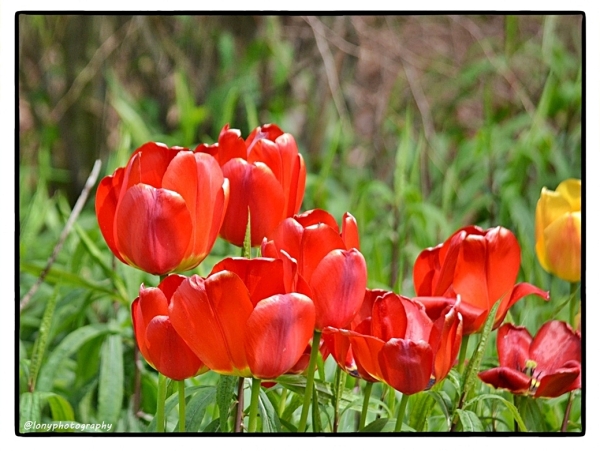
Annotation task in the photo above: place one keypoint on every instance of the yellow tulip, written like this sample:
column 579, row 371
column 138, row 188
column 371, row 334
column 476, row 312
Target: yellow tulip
column 558, row 230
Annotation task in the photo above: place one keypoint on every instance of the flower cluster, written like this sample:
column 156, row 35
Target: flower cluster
column 163, row 211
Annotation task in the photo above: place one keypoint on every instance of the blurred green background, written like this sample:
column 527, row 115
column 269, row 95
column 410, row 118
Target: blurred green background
column 417, row 125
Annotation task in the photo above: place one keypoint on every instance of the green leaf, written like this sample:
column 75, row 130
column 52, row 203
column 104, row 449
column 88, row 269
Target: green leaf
column 68, row 346
column 213, row 426
column 445, row 403
column 469, row 420
column 196, row 408
column 225, row 389
column 421, row 405
column 510, row 406
column 59, row 407
column 40, row 345
column 30, row 412
column 268, row 414
column 377, row 425
column 110, row 388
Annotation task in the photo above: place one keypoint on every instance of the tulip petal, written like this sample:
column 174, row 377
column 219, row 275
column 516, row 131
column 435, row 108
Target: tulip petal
column 350, row 232
column 139, row 328
column 153, row 227
column 519, row 291
column 389, row 317
column 406, row 365
column 154, row 159
column 445, row 342
column 317, row 241
column 267, row 152
column 277, row 333
column 169, row 285
column 263, row 277
column 210, row 315
column 563, row 247
column 231, row 145
column 338, row 285
column 251, row 186
column 107, row 198
column 366, row 349
column 560, row 382
column 168, row 352
column 506, row 378
column 570, row 190
column 554, row 345
column 513, row 346
column 316, row 217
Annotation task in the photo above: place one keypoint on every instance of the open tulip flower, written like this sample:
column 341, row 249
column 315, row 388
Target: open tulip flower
column 267, row 176
column 163, row 211
column 479, row 265
column 558, row 230
column 241, row 320
column 400, row 345
column 330, row 268
column 157, row 340
column 547, row 365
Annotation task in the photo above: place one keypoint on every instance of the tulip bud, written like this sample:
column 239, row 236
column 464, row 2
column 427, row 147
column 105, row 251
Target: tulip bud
column 558, row 230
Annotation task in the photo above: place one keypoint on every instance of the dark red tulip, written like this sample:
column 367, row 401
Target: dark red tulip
column 230, row 324
column 267, row 176
column 163, row 211
column 330, row 268
column 400, row 345
column 480, row 266
column 157, row 340
column 547, row 365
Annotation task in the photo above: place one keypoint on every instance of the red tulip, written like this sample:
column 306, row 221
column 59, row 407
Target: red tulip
column 401, row 346
column 267, row 176
column 330, row 268
column 548, row 365
column 163, row 211
column 157, row 340
column 479, row 265
column 241, row 321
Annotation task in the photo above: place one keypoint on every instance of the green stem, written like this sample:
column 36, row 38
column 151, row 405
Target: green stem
column 401, row 411
column 463, row 353
column 391, row 399
column 518, row 404
column 253, row 415
column 160, row 403
column 282, row 400
column 574, row 305
column 365, row 406
column 565, row 423
column 181, row 386
column 310, row 377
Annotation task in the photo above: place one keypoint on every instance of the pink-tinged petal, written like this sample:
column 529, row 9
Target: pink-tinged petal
column 561, row 381
column 445, row 341
column 254, row 187
column 168, row 352
column 199, row 180
column 507, row 379
column 153, row 228
column 350, row 232
column 406, row 365
column 338, row 285
column 277, row 333
column 317, row 242
column 389, row 317
column 366, row 351
column 503, row 263
column 513, row 344
column 555, row 344
column 265, row 131
column 263, row 277
column 316, row 217
column 107, row 198
column 210, row 315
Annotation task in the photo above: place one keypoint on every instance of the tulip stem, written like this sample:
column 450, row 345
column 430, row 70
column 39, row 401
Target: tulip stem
column 565, row 422
column 253, row 414
column 574, row 304
column 160, row 403
column 463, row 353
column 310, row 377
column 239, row 408
column 365, row 406
column 401, row 411
column 391, row 399
column 282, row 400
column 181, row 386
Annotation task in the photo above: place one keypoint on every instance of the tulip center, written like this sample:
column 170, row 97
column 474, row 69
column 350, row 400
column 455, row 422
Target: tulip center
column 529, row 370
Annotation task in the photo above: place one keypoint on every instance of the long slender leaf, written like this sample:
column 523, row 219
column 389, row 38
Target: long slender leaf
column 40, row 345
column 110, row 388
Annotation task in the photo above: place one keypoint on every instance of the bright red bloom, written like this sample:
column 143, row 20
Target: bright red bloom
column 241, row 321
column 548, row 365
column 267, row 176
column 330, row 268
column 158, row 342
column 479, row 265
column 400, row 345
column 163, row 211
